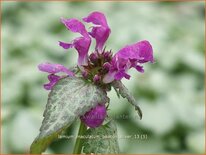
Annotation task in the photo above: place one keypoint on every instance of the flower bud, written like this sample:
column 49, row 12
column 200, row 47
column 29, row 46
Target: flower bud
column 85, row 74
column 95, row 117
column 107, row 56
column 93, row 58
column 96, row 78
column 106, row 67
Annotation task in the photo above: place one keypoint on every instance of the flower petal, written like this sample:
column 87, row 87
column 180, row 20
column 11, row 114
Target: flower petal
column 54, row 68
column 65, row 45
column 141, row 51
column 96, row 18
column 119, row 75
column 75, row 25
column 139, row 69
column 82, row 46
column 109, row 77
column 100, row 32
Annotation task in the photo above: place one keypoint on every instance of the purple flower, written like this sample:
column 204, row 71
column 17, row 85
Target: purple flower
column 53, row 69
column 81, row 44
column 131, row 56
column 95, row 117
column 101, row 31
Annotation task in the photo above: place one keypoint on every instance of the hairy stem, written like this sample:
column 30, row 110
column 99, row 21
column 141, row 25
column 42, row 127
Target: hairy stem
column 78, row 144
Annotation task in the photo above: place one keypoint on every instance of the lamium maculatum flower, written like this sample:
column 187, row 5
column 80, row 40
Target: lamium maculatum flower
column 53, row 69
column 99, row 66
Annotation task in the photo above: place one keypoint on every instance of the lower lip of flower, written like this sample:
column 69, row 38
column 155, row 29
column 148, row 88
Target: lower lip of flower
column 95, row 117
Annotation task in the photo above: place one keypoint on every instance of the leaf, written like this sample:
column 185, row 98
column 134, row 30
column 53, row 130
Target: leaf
column 124, row 92
column 117, row 92
column 102, row 140
column 70, row 98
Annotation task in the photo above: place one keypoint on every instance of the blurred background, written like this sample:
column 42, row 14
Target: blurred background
column 170, row 92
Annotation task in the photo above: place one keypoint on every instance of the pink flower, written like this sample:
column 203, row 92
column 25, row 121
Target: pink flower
column 81, row 44
column 131, row 56
column 100, row 32
column 53, row 69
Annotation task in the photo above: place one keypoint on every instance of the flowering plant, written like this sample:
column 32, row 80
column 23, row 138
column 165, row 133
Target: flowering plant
column 82, row 91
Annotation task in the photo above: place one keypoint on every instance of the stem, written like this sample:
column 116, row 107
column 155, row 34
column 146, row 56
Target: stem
column 79, row 141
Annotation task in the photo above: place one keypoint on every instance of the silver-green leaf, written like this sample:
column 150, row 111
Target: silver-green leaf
column 70, row 98
column 124, row 92
column 102, row 140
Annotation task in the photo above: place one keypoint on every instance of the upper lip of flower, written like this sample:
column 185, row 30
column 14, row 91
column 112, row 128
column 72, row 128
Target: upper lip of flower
column 130, row 56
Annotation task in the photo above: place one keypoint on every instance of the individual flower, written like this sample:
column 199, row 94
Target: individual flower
column 101, row 31
column 53, row 69
column 131, row 56
column 100, row 66
column 81, row 44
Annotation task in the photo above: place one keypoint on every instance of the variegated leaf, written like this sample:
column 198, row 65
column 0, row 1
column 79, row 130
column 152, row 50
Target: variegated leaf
column 70, row 98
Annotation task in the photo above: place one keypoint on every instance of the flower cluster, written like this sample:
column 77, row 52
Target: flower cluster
column 100, row 66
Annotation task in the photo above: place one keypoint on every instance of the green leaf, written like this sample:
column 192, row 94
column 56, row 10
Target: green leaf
column 124, row 92
column 102, row 140
column 70, row 98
